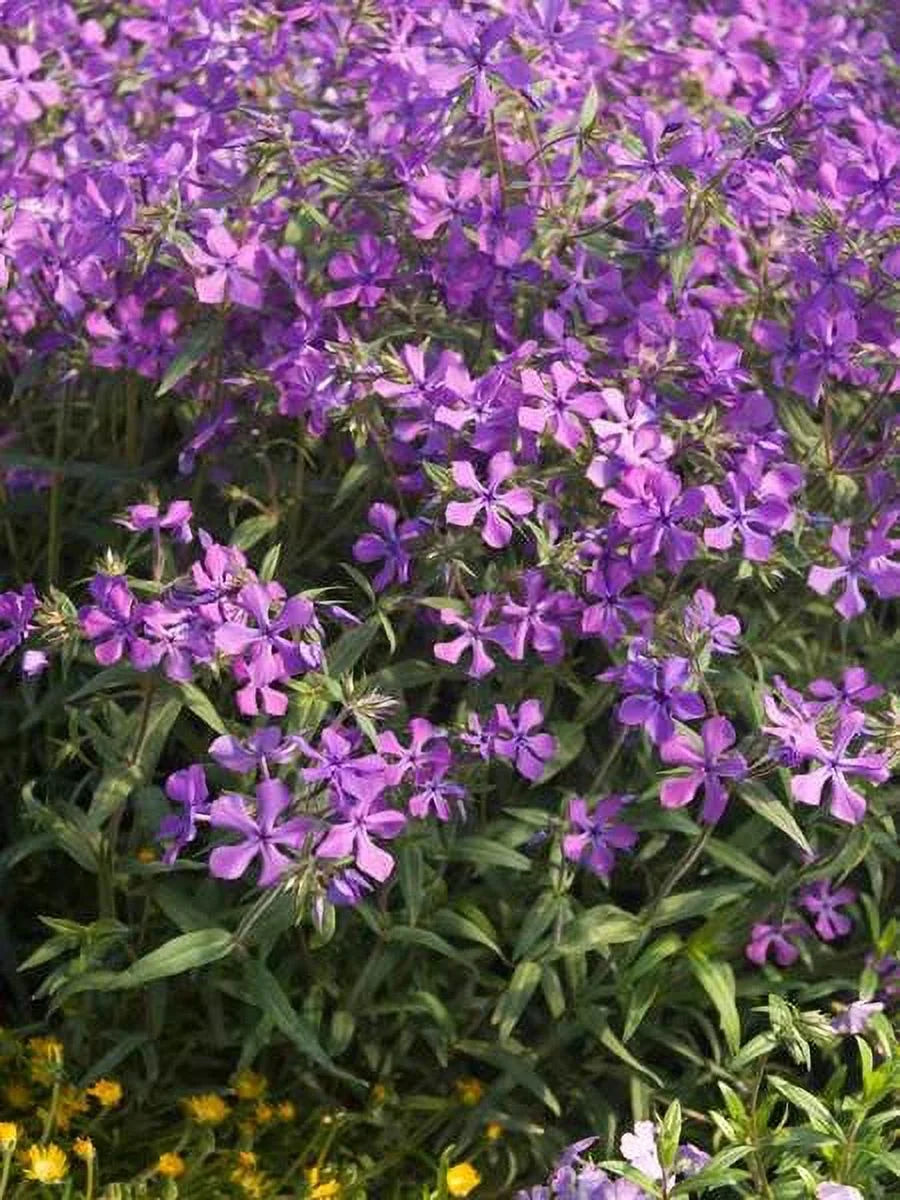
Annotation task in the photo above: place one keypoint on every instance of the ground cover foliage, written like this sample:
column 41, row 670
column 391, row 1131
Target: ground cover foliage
column 449, row 522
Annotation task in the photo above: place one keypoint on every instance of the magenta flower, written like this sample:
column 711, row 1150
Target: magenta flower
column 265, row 746
column 652, row 505
column 754, row 524
column 364, row 272
column 476, row 632
column 16, row 611
column 20, row 93
column 709, row 765
column 514, row 739
column 427, row 753
column 776, row 939
column 102, row 212
column 432, row 204
column 538, row 619
column 611, row 608
column 856, row 1017
column 559, row 410
column 718, row 632
column 439, row 795
column 479, row 44
column 337, row 762
column 845, row 803
column 365, row 817
column 870, row 564
column 658, row 696
column 821, row 902
column 175, row 521
column 232, row 272
column 853, row 689
column 497, row 506
column 113, row 623
column 263, row 835
column 390, row 544
column 639, row 1148
column 596, row 834
column 187, row 788
column 837, row 1191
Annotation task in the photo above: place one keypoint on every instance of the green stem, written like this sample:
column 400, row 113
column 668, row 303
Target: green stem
column 89, row 1182
column 50, row 1119
column 53, row 519
column 4, row 1174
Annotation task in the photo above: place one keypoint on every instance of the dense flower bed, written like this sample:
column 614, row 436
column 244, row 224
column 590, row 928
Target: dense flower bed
column 451, row 526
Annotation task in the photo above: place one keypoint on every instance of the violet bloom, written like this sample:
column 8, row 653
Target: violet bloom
column 611, row 607
column 831, row 339
column 639, row 1149
column 837, row 1191
column 595, row 835
column 651, row 171
column 537, row 619
column 365, row 817
column 658, row 696
column 16, row 611
column 754, row 524
column 175, row 521
column 480, row 46
column 845, row 804
column 793, row 725
column 514, row 739
column 856, row 1017
column 264, row 747
column 232, row 272
column 113, row 623
column 427, row 752
column 20, row 93
column 856, row 565
column 187, row 788
column 702, row 621
column 709, row 765
column 263, row 835
column 101, row 214
column 435, row 793
column 652, row 505
column 175, row 639
column 432, row 203
column 390, row 544
column 497, row 506
column 821, row 902
column 559, row 410
column 364, row 272
column 337, row 762
column 853, row 689
column 475, row 633
column 777, row 939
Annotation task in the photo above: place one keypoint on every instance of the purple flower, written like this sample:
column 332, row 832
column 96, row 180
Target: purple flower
column 639, row 1149
column 20, row 93
column 16, row 611
column 611, row 608
column 101, row 214
column 856, row 1017
column 438, row 794
column 822, row 903
column 232, row 272
column 869, row 564
column 113, row 623
column 845, row 804
column 432, row 205
column 754, row 525
column 263, row 836
column 497, row 506
column 365, row 817
column 559, row 410
column 476, row 632
column 389, row 544
column 537, row 619
column 658, row 696
column 263, row 747
column 702, row 621
column 338, row 763
column 652, row 505
column 853, row 689
column 514, row 740
column 187, row 788
column 364, row 273
column 837, row 1191
column 777, row 939
column 596, row 834
column 479, row 45
column 709, row 766
column 175, row 521
column 428, row 752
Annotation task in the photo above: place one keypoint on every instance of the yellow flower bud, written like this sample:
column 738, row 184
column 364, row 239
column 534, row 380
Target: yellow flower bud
column 170, row 1165
column 462, row 1179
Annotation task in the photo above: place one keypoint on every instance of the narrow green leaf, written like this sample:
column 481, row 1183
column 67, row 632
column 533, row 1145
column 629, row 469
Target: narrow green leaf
column 717, row 980
column 773, row 811
column 201, row 706
column 456, row 925
column 253, row 530
column 186, row 952
column 350, row 647
column 514, row 1000
column 484, row 852
column 194, row 350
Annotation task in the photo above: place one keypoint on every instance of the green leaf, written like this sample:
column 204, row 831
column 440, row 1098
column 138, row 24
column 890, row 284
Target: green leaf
column 717, row 980
column 270, row 996
column 184, row 953
column 201, row 706
column 484, row 852
column 569, row 744
column 817, row 1113
column 350, row 647
column 457, row 925
column 409, row 935
column 589, row 107
column 608, row 1039
column 514, row 1000
column 516, row 1068
column 253, row 530
column 773, row 811
column 538, row 919
column 193, row 351
column 728, row 855
column 599, row 927
column 700, row 903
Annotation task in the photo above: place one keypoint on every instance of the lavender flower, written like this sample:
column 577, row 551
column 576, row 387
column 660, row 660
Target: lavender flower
column 597, row 833
column 514, row 739
column 821, row 902
column 264, row 837
column 777, row 939
column 709, row 765
column 498, row 507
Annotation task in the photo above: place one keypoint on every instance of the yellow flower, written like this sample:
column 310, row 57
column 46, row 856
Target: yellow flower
column 46, row 1054
column 493, row 1130
column 84, row 1148
column 251, row 1182
column 264, row 1113
column 18, row 1096
column 9, row 1135
column 379, row 1093
column 146, row 854
column 71, row 1102
column 469, row 1091
column 170, row 1165
column 462, row 1179
column 250, row 1085
column 46, row 1164
column 326, row 1191
column 107, row 1092
column 207, row 1109
column 286, row 1111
